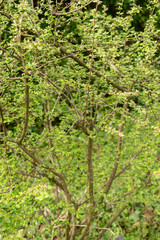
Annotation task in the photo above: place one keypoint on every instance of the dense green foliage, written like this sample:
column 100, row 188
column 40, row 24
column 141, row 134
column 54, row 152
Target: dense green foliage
column 80, row 126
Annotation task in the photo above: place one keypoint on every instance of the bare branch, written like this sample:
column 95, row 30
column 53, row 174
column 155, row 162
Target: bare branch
column 26, row 111
column 28, row 175
column 110, row 222
column 12, row 55
column 124, row 195
column 3, row 124
column 81, row 63
column 66, row 13
column 119, row 147
column 129, row 164
column 65, row 96
column 116, row 69
column 6, row 15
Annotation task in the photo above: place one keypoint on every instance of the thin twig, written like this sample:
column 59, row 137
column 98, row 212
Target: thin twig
column 81, row 63
column 110, row 222
column 26, row 111
column 66, row 13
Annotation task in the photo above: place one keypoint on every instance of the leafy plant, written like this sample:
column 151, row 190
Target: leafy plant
column 79, row 121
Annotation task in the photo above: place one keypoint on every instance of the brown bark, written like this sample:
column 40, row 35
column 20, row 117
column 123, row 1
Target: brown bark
column 26, row 111
column 98, row 74
column 110, row 222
